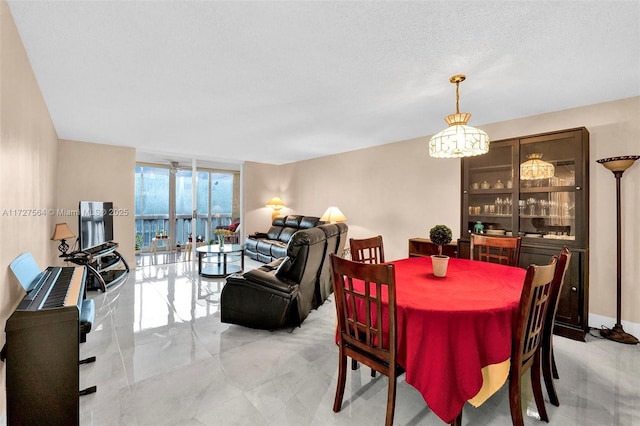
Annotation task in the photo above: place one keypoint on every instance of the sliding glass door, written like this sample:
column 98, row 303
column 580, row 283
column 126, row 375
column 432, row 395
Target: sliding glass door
column 164, row 202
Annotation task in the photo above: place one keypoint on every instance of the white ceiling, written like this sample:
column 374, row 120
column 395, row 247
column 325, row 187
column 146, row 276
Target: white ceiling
column 277, row 82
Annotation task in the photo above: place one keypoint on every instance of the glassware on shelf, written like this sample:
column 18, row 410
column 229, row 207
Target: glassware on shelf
column 508, row 202
column 544, row 207
column 531, row 203
column 499, row 203
column 521, row 206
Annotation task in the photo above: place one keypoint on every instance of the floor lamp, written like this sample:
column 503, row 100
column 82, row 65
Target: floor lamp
column 618, row 165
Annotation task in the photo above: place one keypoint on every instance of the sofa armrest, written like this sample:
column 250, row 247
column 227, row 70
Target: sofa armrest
column 269, row 280
column 272, row 266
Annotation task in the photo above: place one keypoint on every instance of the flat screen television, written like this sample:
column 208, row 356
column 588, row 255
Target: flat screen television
column 95, row 223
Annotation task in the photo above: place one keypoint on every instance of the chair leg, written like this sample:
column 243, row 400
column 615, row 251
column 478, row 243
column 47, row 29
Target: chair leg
column 553, row 364
column 548, row 365
column 515, row 405
column 537, row 387
column 457, row 421
column 391, row 398
column 342, row 378
column 354, row 364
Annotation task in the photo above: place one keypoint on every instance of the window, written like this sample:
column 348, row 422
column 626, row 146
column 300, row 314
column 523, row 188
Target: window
column 162, row 211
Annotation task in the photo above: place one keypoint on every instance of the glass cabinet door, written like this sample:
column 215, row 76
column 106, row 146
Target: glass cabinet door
column 529, row 187
column 491, row 191
column 547, row 186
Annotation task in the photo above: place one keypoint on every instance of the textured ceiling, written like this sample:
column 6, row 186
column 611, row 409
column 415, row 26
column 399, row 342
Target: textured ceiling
column 277, row 82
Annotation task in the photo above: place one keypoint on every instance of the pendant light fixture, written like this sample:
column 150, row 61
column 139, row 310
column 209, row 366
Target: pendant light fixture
column 536, row 168
column 458, row 140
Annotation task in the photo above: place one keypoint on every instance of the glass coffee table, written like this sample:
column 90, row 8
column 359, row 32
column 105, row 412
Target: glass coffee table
column 216, row 261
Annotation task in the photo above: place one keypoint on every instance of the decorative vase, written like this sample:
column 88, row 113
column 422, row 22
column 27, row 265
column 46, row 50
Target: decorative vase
column 221, row 241
column 439, row 263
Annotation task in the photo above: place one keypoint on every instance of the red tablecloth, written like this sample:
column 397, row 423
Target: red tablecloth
column 450, row 328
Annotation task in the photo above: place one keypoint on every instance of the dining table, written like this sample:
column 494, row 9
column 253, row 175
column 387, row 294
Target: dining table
column 454, row 333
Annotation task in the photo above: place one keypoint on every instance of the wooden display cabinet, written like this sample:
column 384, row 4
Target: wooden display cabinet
column 500, row 196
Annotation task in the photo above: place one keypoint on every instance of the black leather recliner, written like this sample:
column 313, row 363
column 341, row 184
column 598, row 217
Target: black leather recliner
column 282, row 293
column 336, row 239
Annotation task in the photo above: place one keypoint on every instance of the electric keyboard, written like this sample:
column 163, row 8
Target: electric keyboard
column 42, row 346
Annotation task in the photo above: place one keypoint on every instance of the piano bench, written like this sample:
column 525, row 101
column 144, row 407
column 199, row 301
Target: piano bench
column 87, row 315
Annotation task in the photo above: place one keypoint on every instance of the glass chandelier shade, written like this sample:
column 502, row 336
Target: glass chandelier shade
column 459, row 139
column 536, row 168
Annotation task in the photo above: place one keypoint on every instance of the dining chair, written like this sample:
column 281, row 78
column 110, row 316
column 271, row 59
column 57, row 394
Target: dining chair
column 504, row 250
column 549, row 369
column 365, row 299
column 526, row 340
column 367, row 250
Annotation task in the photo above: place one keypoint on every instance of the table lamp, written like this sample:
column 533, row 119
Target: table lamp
column 618, row 165
column 276, row 204
column 62, row 233
column 333, row 215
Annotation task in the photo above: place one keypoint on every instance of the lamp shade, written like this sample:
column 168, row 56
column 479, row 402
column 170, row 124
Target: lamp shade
column 333, row 215
column 618, row 164
column 536, row 168
column 275, row 203
column 62, row 232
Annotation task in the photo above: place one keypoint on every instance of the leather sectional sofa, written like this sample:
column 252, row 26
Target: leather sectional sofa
column 272, row 245
column 282, row 293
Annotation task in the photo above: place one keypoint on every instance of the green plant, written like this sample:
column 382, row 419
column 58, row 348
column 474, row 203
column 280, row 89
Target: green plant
column 138, row 240
column 440, row 235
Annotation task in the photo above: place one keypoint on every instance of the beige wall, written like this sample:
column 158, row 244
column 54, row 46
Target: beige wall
column 398, row 191
column 95, row 172
column 261, row 183
column 40, row 175
column 28, row 152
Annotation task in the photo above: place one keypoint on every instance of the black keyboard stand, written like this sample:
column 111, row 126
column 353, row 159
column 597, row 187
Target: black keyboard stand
column 87, row 391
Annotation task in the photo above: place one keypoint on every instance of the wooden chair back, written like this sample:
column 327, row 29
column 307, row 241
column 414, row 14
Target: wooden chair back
column 526, row 340
column 503, row 250
column 366, row 308
column 527, row 337
column 549, row 370
column 367, row 250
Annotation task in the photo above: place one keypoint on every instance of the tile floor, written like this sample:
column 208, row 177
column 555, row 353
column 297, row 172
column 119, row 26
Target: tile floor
column 164, row 358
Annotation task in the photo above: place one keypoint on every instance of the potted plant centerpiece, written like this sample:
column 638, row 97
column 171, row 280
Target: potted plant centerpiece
column 440, row 235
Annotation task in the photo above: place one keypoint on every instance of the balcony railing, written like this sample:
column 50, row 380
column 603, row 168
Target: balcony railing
column 148, row 226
